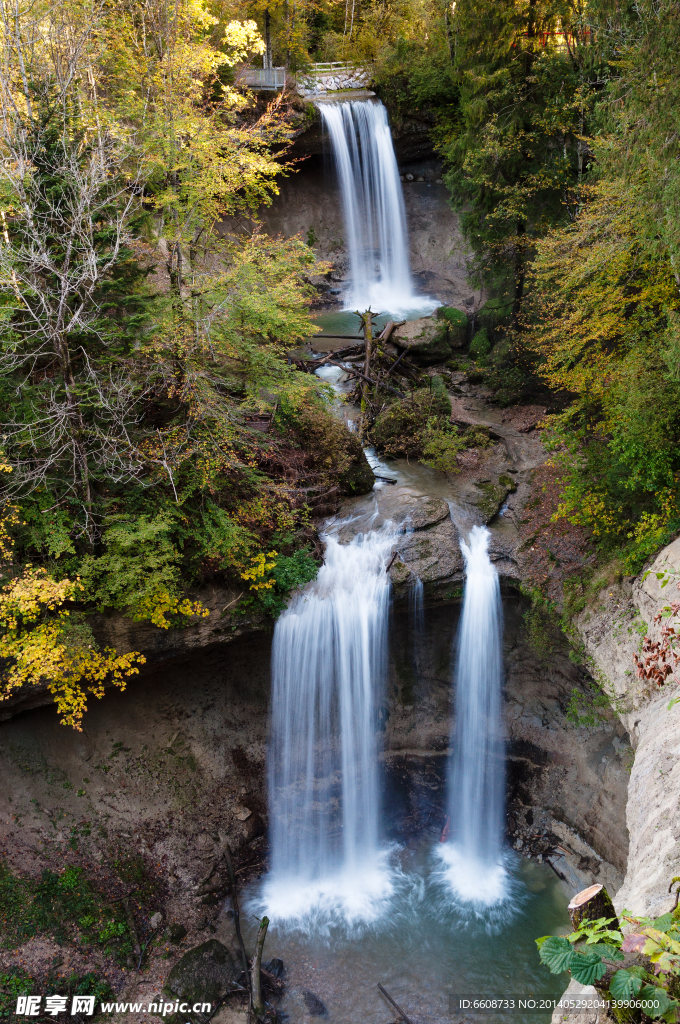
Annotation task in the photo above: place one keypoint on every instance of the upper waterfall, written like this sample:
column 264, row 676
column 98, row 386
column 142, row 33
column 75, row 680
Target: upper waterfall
column 373, row 206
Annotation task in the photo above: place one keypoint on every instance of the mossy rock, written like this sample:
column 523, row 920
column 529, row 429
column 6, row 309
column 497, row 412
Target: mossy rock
column 426, row 340
column 507, row 481
column 458, row 325
column 203, row 974
column 400, row 574
column 500, row 353
column 491, row 497
column 494, row 315
column 480, row 346
column 358, row 478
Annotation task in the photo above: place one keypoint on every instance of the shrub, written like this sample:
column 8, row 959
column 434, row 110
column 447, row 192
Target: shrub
column 398, row 429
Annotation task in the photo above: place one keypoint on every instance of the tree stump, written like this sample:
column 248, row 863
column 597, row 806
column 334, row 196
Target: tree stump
column 591, row 904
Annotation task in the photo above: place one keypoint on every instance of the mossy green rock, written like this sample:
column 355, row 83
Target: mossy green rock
column 458, row 324
column 358, row 478
column 480, row 345
column 491, row 497
column 203, row 974
column 426, row 339
column 494, row 315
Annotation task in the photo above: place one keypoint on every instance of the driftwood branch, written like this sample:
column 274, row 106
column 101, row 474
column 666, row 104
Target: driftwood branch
column 388, row 328
column 395, row 364
column 256, row 980
column 395, row 1005
column 391, row 561
column 376, row 383
column 237, row 920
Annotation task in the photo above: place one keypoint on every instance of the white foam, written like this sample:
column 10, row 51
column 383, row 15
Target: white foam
column 355, row 896
column 473, row 881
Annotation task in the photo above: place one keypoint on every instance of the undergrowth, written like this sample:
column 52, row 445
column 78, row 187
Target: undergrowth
column 67, row 907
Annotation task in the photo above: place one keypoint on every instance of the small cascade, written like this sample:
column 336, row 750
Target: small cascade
column 328, row 668
column 373, row 206
column 476, row 781
column 416, row 606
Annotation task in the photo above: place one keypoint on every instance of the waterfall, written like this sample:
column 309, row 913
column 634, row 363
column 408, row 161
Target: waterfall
column 476, row 778
column 328, row 667
column 416, row 606
column 373, row 206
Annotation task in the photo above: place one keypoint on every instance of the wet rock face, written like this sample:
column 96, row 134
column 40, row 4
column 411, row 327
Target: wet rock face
column 309, row 201
column 611, row 627
column 566, row 786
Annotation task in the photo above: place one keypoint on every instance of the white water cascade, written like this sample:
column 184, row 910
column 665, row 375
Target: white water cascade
column 373, row 206
column 473, row 854
column 328, row 666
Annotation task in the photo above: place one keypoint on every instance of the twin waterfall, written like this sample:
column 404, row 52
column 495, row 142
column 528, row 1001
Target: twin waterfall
column 373, row 206
column 329, row 663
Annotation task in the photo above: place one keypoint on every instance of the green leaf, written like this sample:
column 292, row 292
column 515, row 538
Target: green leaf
column 556, row 953
column 606, row 951
column 587, row 968
column 664, row 923
column 666, row 1007
column 539, row 942
column 624, row 985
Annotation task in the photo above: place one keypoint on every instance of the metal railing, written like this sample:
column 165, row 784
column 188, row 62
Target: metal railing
column 332, row 66
column 264, row 78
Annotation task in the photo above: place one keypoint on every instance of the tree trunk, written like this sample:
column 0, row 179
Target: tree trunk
column 520, row 273
column 591, row 904
column 267, row 40
column 367, row 324
column 258, row 1001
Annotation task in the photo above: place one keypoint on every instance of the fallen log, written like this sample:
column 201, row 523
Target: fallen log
column 388, row 328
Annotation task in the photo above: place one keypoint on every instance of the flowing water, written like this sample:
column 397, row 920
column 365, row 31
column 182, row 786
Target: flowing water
column 373, row 207
column 473, row 855
column 347, row 908
column 328, row 670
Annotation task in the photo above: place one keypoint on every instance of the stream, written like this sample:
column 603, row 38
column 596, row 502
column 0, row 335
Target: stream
column 449, row 914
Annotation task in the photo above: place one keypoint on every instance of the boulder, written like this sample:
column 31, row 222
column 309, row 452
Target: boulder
column 426, row 340
column 315, row 1008
column 491, row 496
column 480, row 345
column 203, row 974
column 458, row 325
